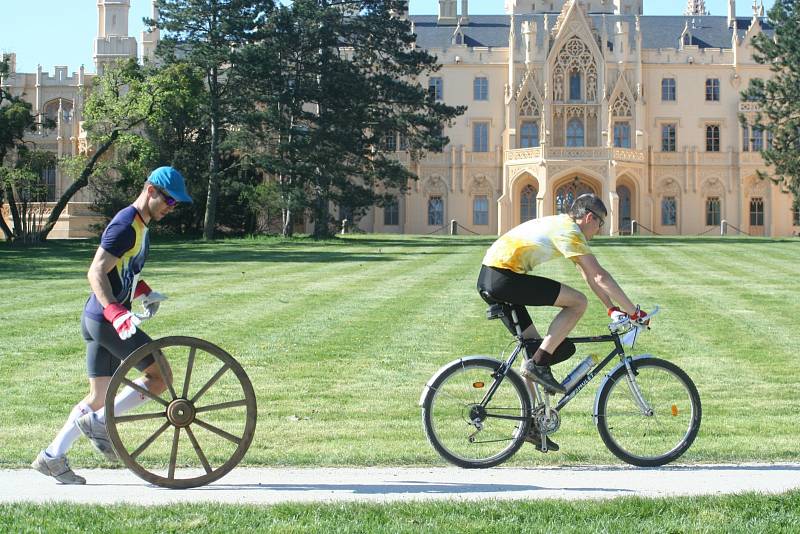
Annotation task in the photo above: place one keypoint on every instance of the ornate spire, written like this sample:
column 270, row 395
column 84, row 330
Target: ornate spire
column 696, row 8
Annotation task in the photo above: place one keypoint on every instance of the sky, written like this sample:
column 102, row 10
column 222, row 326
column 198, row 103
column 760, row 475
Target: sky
column 61, row 32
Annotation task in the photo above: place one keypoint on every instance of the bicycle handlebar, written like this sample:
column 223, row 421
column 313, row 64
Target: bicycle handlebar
column 626, row 325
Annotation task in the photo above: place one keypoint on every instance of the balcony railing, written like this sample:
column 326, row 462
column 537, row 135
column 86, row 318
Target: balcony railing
column 523, row 155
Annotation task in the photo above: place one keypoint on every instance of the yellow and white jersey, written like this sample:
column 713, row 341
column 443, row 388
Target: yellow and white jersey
column 536, row 241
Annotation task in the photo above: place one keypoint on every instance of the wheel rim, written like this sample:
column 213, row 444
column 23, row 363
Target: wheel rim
column 197, row 430
column 456, row 400
column 650, row 437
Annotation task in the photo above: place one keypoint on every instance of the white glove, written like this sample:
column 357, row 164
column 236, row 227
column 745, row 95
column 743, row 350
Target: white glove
column 617, row 315
column 150, row 299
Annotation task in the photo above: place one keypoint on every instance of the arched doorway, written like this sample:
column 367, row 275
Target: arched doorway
column 569, row 191
column 625, row 209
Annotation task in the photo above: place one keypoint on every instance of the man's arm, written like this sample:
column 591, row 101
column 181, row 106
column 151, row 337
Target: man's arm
column 602, row 283
column 102, row 263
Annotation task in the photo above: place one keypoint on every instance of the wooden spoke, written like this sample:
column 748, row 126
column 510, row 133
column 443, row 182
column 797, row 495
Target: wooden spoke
column 189, row 366
column 210, row 383
column 139, row 417
column 218, row 431
column 149, row 441
column 161, row 360
column 145, row 392
column 221, row 406
column 174, row 455
column 198, row 450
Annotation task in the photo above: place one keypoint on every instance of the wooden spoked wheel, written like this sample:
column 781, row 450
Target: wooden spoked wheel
column 197, row 430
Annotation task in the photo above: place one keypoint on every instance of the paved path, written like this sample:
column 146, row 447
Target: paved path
column 268, row 486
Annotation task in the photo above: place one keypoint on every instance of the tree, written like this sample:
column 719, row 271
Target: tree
column 779, row 96
column 15, row 120
column 207, row 34
column 333, row 80
column 120, row 101
column 27, row 194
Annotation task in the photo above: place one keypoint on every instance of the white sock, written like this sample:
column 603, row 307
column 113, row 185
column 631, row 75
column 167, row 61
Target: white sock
column 69, row 432
column 126, row 401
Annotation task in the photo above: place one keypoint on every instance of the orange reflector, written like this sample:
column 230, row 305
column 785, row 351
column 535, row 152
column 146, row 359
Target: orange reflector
column 674, row 410
column 477, row 385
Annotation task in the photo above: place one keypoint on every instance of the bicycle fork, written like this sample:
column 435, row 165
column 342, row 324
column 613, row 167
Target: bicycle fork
column 645, row 408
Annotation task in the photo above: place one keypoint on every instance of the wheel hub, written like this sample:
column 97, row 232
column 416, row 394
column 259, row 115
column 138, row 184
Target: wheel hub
column 181, row 413
column 477, row 413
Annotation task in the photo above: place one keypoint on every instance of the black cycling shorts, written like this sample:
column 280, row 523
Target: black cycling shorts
column 497, row 285
column 105, row 350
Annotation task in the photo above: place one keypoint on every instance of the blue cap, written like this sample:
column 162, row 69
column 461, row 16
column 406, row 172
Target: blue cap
column 171, row 181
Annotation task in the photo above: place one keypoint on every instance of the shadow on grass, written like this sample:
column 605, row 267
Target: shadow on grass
column 637, row 241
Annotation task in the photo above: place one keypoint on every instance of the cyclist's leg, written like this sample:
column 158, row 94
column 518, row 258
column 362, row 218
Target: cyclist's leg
column 573, row 304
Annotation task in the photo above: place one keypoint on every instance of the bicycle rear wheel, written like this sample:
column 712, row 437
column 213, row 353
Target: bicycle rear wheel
column 653, row 420
column 463, row 430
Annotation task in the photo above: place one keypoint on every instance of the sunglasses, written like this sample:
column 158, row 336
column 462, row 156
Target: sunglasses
column 168, row 199
column 600, row 220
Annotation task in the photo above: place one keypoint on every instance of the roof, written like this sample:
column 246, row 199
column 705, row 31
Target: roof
column 657, row 31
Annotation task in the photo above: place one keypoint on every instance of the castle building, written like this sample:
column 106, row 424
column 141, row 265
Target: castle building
column 564, row 97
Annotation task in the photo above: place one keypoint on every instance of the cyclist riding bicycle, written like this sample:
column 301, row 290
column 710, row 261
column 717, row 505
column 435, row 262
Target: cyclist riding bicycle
column 503, row 279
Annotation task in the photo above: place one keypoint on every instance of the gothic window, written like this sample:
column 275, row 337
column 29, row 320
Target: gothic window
column 436, row 88
column 712, row 89
column 622, row 134
column 576, row 67
column 390, row 142
column 527, row 204
column 480, row 137
column 51, row 110
column 621, row 107
column 567, row 193
column 668, row 89
column 575, row 85
column 47, row 185
column 528, row 108
column 435, row 211
column 756, row 211
column 668, row 138
column 480, row 88
column 713, row 211
column 575, row 133
column 712, row 138
column 391, row 213
column 669, row 211
column 758, row 139
column 529, row 134
column 796, row 215
column 480, row 210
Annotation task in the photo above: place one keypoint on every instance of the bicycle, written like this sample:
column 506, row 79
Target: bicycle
column 477, row 411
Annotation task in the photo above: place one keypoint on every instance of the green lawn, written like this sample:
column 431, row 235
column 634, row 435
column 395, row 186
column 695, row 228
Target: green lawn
column 745, row 513
column 339, row 338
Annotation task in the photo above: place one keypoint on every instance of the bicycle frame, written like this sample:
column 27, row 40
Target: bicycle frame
column 503, row 370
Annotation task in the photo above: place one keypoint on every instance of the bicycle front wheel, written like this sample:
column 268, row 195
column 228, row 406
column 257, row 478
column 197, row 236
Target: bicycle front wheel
column 464, row 428
column 650, row 420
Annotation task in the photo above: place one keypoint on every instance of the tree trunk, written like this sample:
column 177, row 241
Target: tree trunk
column 12, row 207
column 287, row 226
column 76, row 186
column 210, row 218
column 321, row 214
column 3, row 226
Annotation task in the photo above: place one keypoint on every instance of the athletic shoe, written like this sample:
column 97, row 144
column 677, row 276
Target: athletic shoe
column 57, row 468
column 96, row 431
column 536, row 440
column 542, row 375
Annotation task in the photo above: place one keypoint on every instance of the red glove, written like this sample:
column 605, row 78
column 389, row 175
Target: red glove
column 141, row 290
column 640, row 316
column 121, row 318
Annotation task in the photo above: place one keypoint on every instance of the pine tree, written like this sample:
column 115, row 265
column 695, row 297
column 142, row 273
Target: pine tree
column 337, row 78
column 208, row 34
column 779, row 96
